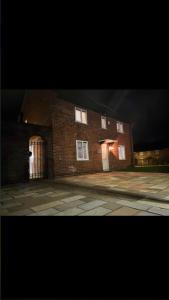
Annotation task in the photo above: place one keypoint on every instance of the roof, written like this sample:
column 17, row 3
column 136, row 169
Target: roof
column 97, row 107
column 12, row 101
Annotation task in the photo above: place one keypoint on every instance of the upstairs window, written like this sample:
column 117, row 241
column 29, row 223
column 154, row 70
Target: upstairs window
column 80, row 115
column 82, row 151
column 120, row 127
column 122, row 152
column 103, row 122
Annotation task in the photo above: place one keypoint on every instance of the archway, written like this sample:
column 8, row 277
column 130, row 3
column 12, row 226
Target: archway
column 36, row 157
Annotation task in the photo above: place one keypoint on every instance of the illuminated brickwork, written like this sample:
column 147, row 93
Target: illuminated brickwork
column 66, row 131
column 43, row 114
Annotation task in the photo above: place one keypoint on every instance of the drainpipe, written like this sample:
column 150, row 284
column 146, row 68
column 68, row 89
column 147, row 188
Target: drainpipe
column 131, row 142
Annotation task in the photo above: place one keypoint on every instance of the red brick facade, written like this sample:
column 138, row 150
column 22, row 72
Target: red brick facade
column 66, row 131
column 54, row 120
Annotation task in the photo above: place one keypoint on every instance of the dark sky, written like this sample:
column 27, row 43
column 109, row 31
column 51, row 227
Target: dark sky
column 147, row 109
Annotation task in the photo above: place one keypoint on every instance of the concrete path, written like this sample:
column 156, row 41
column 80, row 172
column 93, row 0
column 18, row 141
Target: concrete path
column 46, row 198
column 153, row 186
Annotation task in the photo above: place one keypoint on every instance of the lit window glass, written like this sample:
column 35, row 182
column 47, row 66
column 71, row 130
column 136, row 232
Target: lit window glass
column 80, row 115
column 103, row 122
column 122, row 154
column 82, row 151
column 120, row 127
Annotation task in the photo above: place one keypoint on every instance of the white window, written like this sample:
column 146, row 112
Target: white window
column 120, row 127
column 82, row 152
column 103, row 122
column 122, row 154
column 80, row 115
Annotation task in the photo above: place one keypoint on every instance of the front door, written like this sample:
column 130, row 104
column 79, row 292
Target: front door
column 105, row 157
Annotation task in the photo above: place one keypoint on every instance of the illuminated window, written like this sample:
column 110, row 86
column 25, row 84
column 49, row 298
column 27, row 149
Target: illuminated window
column 120, row 127
column 80, row 115
column 82, row 152
column 156, row 152
column 122, row 154
column 103, row 122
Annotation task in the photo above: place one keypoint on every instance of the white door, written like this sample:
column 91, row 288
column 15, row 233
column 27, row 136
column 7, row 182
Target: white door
column 105, row 157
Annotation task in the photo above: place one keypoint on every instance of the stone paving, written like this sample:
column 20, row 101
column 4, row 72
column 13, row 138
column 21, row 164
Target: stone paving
column 148, row 185
column 47, row 198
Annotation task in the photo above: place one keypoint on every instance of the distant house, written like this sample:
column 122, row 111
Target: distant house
column 62, row 138
column 152, row 157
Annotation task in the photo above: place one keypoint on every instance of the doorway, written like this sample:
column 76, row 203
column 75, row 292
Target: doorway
column 105, row 157
column 36, row 157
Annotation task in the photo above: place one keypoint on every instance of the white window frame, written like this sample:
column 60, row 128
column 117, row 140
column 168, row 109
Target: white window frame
column 119, row 154
column 120, row 127
column 103, row 117
column 81, row 110
column 77, row 154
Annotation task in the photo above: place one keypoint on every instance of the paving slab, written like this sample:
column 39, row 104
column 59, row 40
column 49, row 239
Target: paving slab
column 10, row 204
column 70, row 212
column 48, row 212
column 112, row 206
column 65, row 206
column 92, row 204
column 124, row 211
column 98, row 211
column 46, row 206
column 21, row 212
column 160, row 211
column 146, row 213
column 73, row 198
column 135, row 204
column 154, row 204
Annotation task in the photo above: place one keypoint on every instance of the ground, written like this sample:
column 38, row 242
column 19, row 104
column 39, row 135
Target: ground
column 84, row 196
column 156, row 169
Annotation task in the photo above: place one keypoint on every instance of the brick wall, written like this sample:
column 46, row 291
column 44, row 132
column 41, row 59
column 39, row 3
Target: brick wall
column 15, row 147
column 36, row 106
column 66, row 131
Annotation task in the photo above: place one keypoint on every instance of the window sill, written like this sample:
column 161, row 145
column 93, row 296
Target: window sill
column 81, row 123
column 82, row 159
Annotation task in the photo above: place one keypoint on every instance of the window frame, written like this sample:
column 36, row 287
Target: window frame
column 124, row 152
column 103, row 117
column 77, row 155
column 81, row 110
column 121, row 124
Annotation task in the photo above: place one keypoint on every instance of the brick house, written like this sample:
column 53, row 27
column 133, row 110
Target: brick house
column 64, row 138
column 83, row 140
column 152, row 157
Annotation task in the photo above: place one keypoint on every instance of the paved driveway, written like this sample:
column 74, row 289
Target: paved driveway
column 149, row 185
column 46, row 198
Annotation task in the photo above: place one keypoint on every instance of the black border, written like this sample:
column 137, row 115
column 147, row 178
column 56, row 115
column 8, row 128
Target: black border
column 85, row 258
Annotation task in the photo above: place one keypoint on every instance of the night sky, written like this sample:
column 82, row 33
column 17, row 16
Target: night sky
column 148, row 110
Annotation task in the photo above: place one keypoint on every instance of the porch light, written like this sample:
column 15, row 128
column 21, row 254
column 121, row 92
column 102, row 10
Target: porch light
column 107, row 141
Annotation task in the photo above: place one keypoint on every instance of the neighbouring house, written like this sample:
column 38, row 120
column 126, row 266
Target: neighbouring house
column 152, row 157
column 57, row 137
